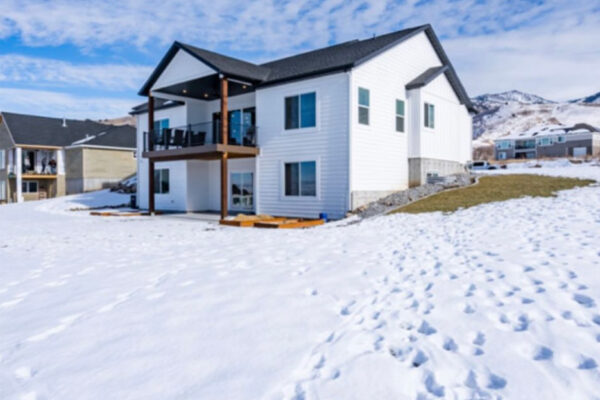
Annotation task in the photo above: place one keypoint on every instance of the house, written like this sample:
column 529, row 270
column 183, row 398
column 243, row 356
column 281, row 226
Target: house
column 579, row 140
column 320, row 132
column 43, row 157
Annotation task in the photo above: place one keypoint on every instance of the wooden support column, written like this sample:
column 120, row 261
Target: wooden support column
column 150, row 162
column 224, row 140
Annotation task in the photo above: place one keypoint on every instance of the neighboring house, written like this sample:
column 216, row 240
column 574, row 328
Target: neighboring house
column 43, row 157
column 580, row 140
column 321, row 132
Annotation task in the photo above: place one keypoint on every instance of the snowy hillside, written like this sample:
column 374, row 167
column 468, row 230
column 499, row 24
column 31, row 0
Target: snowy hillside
column 513, row 112
column 593, row 99
column 496, row 301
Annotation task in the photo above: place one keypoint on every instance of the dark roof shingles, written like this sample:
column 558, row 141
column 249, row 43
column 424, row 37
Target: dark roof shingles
column 46, row 131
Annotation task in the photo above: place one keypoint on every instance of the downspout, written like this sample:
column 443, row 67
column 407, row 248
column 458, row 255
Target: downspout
column 350, row 124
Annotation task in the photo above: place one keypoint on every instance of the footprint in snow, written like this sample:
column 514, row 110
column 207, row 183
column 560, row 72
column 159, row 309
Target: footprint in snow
column 479, row 339
column 543, row 353
column 419, row 359
column 496, row 382
column 432, row 386
column 584, row 300
column 346, row 309
column 587, row 363
column 450, row 345
column 426, row 329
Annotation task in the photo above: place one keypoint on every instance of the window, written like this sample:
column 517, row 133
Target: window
column 242, row 190
column 429, row 115
column 301, row 111
column 161, row 181
column 161, row 124
column 504, row 144
column 301, row 178
column 363, row 106
column 399, row 116
column 501, row 155
column 2, row 190
column 29, row 187
column 2, row 159
column 561, row 139
column 545, row 141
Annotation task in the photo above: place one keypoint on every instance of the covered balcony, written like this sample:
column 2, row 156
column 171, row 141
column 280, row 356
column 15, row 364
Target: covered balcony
column 190, row 74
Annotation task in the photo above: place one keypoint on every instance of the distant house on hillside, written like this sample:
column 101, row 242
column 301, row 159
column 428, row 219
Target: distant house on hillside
column 43, row 157
column 580, row 140
column 324, row 131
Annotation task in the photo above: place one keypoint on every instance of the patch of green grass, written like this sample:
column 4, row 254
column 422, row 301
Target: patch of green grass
column 494, row 188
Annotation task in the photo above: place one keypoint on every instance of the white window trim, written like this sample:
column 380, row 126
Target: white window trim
column 359, row 106
column 230, row 193
column 396, row 115
column 2, row 159
column 300, row 199
column 308, row 129
column 428, row 128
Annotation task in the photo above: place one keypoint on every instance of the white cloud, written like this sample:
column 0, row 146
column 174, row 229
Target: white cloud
column 56, row 104
column 559, row 62
column 544, row 46
column 16, row 68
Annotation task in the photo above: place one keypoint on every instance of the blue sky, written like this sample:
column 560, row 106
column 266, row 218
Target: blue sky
column 88, row 58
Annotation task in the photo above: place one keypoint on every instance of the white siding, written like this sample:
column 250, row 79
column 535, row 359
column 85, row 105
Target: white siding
column 183, row 67
column 176, row 199
column 451, row 137
column 379, row 153
column 327, row 144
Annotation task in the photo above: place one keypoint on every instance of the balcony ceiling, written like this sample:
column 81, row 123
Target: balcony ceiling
column 205, row 88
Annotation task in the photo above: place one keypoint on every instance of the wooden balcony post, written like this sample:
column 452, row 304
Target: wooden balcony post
column 150, row 162
column 151, row 186
column 224, row 111
column 224, row 140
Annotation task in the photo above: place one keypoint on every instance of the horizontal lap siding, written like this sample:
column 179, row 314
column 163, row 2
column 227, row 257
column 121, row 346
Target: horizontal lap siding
column 379, row 153
column 327, row 144
column 451, row 138
column 176, row 199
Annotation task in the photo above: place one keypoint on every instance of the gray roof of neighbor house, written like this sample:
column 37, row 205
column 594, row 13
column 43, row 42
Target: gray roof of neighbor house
column 342, row 56
column 46, row 131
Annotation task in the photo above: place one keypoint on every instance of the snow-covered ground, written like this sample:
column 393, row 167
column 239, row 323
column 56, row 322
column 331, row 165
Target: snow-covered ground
column 499, row 300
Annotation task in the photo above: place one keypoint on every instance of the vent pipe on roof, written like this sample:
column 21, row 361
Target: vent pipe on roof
column 64, row 124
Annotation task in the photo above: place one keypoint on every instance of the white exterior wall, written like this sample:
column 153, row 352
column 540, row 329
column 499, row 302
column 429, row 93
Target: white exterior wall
column 204, row 182
column 327, row 144
column 176, row 199
column 450, row 139
column 183, row 67
column 199, row 111
column 379, row 153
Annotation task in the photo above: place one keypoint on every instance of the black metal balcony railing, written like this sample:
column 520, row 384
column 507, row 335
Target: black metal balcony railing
column 200, row 134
